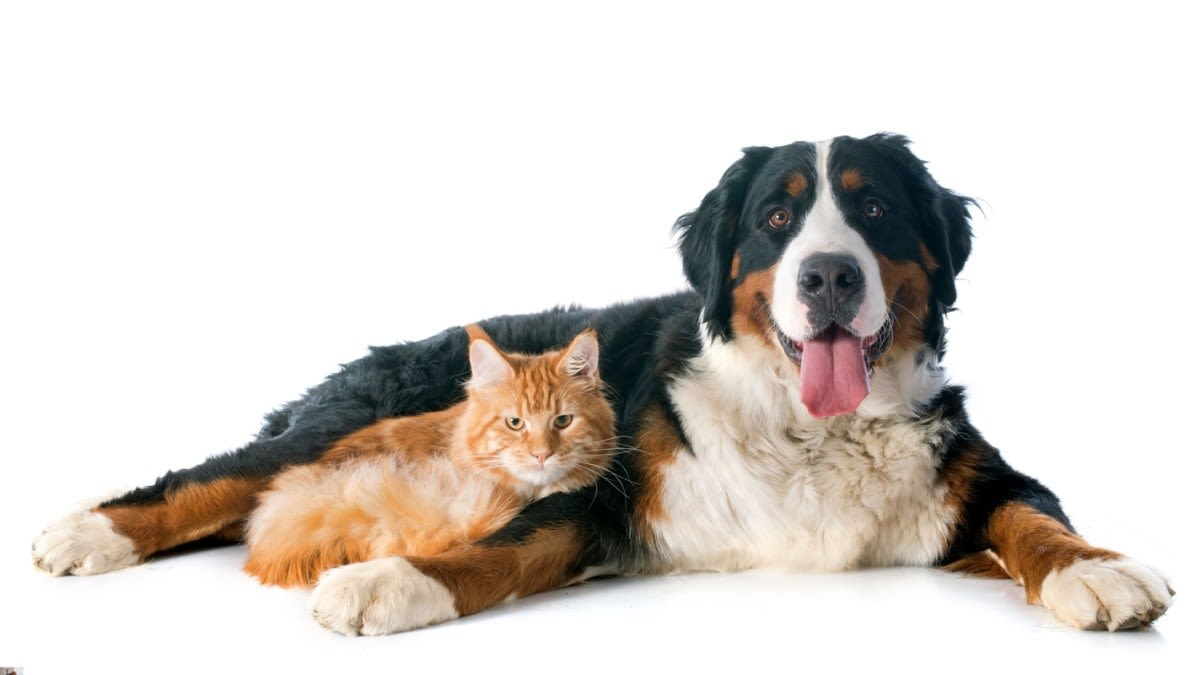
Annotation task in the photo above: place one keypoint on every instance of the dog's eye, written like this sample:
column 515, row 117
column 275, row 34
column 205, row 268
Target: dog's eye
column 514, row 423
column 779, row 219
column 873, row 209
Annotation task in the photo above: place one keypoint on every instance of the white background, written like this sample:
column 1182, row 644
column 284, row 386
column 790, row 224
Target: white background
column 205, row 208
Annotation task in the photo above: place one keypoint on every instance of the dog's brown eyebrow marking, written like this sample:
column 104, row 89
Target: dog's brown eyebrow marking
column 852, row 180
column 796, row 184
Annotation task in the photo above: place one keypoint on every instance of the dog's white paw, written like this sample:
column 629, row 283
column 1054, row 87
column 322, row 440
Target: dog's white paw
column 83, row 543
column 378, row 597
column 1106, row 594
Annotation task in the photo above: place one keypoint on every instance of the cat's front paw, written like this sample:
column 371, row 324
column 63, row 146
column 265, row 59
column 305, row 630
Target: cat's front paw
column 83, row 543
column 1100, row 594
column 378, row 597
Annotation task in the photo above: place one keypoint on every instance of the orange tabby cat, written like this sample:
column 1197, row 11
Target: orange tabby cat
column 420, row 485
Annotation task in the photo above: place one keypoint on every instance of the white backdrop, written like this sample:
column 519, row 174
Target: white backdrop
column 205, row 208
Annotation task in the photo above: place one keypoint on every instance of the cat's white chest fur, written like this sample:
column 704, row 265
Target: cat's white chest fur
column 766, row 485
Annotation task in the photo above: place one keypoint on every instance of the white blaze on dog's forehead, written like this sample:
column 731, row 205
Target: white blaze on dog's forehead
column 825, row 230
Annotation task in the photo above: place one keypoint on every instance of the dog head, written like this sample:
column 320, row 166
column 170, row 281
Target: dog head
column 842, row 255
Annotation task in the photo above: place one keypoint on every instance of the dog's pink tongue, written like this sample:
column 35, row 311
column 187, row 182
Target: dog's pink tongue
column 833, row 374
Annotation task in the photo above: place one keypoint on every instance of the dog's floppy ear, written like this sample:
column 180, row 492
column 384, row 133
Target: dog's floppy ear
column 950, row 241
column 947, row 224
column 706, row 239
column 948, row 237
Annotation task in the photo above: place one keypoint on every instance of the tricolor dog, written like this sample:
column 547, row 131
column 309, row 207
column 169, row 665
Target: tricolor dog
column 791, row 409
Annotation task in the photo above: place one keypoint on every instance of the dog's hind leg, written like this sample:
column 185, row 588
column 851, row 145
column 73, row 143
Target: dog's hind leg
column 110, row 536
column 212, row 499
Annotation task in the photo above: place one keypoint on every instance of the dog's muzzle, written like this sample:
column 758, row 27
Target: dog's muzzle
column 832, row 287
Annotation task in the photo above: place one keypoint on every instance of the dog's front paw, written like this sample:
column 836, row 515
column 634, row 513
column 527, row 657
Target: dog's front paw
column 83, row 543
column 378, row 597
column 1106, row 594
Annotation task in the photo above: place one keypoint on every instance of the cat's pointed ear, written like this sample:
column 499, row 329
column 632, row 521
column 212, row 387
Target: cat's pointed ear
column 488, row 364
column 582, row 358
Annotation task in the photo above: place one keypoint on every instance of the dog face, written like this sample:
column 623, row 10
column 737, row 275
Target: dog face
column 841, row 255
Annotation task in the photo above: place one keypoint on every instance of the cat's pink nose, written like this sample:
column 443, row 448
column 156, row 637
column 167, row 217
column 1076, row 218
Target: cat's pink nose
column 542, row 455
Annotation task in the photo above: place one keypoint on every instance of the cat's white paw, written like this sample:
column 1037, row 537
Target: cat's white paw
column 83, row 543
column 378, row 597
column 1106, row 594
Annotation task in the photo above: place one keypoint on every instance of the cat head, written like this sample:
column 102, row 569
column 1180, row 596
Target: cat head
column 541, row 423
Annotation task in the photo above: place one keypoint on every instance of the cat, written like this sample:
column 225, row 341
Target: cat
column 421, row 485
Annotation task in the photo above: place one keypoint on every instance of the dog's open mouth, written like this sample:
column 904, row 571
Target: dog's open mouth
column 835, row 367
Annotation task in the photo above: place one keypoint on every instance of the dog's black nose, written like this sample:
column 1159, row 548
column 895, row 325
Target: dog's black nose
column 830, row 280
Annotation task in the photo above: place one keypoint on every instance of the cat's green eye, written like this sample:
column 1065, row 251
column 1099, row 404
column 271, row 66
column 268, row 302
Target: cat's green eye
column 514, row 423
column 563, row 421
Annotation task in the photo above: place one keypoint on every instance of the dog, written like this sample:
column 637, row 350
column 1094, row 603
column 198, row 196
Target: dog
column 790, row 409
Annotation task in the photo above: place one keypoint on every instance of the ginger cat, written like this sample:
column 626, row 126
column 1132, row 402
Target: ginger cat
column 417, row 486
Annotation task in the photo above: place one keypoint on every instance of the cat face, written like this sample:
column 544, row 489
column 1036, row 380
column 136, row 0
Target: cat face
column 538, row 422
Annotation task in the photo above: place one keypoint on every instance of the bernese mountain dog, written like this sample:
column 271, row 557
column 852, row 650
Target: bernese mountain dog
column 790, row 409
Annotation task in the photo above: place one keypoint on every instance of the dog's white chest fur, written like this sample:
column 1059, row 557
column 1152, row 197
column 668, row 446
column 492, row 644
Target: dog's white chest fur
column 767, row 485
